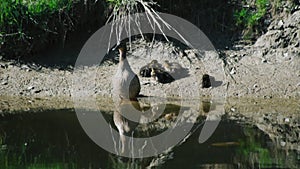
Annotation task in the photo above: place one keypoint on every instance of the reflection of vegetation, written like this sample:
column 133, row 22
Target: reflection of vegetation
column 117, row 163
column 255, row 152
column 248, row 18
column 255, row 149
column 26, row 144
column 16, row 158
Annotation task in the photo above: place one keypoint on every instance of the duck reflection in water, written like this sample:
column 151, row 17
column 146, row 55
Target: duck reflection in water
column 126, row 118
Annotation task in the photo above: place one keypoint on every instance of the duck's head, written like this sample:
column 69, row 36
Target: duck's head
column 154, row 62
column 122, row 51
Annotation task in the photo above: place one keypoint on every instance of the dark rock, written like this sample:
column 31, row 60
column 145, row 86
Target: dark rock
column 4, row 83
column 3, row 66
column 37, row 91
column 206, row 81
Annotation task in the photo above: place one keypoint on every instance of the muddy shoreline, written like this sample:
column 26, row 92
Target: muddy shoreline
column 241, row 74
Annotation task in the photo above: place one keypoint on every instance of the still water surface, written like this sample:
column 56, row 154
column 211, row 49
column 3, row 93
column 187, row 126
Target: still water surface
column 55, row 140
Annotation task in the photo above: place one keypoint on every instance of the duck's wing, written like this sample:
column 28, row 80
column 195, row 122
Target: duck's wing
column 135, row 87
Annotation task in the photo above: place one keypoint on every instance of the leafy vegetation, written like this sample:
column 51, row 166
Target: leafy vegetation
column 23, row 22
column 27, row 25
column 249, row 17
column 14, row 11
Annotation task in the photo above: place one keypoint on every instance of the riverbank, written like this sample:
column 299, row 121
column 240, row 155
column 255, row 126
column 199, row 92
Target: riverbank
column 240, row 73
column 259, row 82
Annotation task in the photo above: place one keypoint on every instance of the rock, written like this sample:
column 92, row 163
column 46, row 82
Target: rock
column 170, row 116
column 37, row 91
column 286, row 120
column 280, row 24
column 4, row 83
column 232, row 71
column 35, row 67
column 282, row 143
column 3, row 66
column 24, row 67
column 30, row 87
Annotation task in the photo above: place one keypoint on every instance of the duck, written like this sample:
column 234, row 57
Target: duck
column 161, row 76
column 145, row 71
column 172, row 67
column 125, row 83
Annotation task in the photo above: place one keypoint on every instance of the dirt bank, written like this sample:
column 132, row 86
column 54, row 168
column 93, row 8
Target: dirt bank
column 252, row 71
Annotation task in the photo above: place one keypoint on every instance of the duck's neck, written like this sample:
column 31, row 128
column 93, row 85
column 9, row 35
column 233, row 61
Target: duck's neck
column 122, row 56
column 123, row 62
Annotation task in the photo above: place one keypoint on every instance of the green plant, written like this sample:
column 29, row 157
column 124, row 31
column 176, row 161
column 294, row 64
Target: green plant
column 24, row 22
column 247, row 18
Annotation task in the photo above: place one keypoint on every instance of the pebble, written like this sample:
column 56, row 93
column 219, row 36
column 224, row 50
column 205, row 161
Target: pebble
column 4, row 83
column 24, row 67
column 280, row 24
column 2, row 66
column 232, row 71
column 37, row 91
column 267, row 97
column 287, row 120
column 264, row 61
column 169, row 116
column 282, row 143
column 30, row 87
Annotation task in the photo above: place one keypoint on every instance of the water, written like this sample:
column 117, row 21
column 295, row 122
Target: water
column 54, row 139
